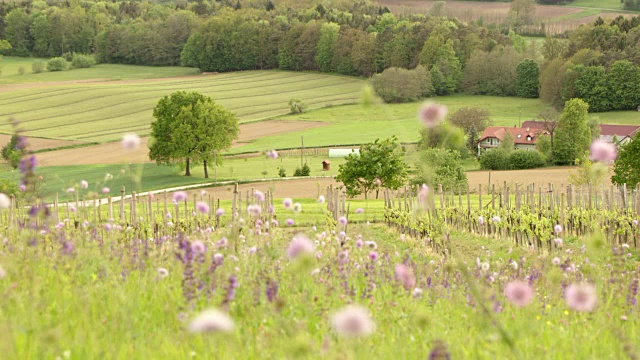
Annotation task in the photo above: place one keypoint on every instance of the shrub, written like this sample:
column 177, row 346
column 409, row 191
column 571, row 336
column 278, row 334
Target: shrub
column 440, row 166
column 523, row 159
column 21, row 70
column 304, row 171
column 297, row 106
column 81, row 61
column 494, row 159
column 282, row 173
column 397, row 85
column 57, row 64
column 37, row 66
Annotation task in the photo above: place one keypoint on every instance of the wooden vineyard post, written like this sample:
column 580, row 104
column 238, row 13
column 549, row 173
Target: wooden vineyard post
column 132, row 207
column 110, row 207
column 468, row 199
column 493, row 196
column 441, row 193
column 150, row 210
column 122, row 191
column 517, row 198
column 480, row 196
column 233, row 203
column 55, row 209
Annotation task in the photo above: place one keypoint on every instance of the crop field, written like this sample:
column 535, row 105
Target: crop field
column 105, row 72
column 104, row 111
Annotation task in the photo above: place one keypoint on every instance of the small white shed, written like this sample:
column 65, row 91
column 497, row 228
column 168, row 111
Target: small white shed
column 342, row 153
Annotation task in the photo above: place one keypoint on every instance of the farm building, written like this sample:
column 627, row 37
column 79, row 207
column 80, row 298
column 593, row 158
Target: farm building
column 342, row 153
column 608, row 132
column 523, row 138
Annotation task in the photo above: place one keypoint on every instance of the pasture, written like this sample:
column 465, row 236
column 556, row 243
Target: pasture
column 103, row 111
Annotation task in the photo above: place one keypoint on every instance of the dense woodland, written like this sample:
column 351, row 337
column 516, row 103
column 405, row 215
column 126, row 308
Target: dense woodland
column 598, row 63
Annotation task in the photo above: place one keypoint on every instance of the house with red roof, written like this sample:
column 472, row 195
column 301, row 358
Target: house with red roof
column 523, row 138
column 608, row 132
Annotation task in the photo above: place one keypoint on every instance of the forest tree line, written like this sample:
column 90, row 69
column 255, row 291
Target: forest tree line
column 350, row 37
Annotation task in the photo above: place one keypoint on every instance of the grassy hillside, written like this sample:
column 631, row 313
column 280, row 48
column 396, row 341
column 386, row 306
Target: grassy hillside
column 11, row 65
column 102, row 112
column 354, row 124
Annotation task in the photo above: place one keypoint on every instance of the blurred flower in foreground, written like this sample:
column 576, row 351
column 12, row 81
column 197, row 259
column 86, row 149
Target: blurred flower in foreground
column 353, row 321
column 211, row 320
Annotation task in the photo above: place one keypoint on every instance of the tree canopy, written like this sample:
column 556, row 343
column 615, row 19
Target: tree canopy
column 379, row 164
column 627, row 166
column 190, row 127
column 572, row 134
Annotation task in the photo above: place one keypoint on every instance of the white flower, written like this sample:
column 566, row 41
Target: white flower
column 5, row 202
column 211, row 320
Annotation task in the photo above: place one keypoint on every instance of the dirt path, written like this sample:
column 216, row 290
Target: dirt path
column 113, row 153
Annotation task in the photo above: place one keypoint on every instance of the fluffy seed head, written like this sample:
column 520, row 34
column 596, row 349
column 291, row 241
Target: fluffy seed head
column 211, row 320
column 321, row 199
column 163, row 273
column 202, row 207
column 353, row 321
column 259, row 195
column 557, row 229
column 519, row 293
column 297, row 207
column 219, row 212
column 105, row 190
column 84, row 184
column 342, row 220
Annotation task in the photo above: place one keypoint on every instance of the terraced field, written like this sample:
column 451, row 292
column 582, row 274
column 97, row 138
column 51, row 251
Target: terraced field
column 103, row 111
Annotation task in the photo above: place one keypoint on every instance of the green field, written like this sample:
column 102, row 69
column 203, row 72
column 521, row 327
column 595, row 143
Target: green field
column 11, row 65
column 355, row 124
column 600, row 4
column 103, row 112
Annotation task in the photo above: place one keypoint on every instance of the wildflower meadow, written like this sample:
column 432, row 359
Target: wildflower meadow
column 246, row 279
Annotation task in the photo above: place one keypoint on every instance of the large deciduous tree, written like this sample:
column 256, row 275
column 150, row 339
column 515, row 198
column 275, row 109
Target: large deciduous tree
column 627, row 166
column 572, row 135
column 527, row 74
column 190, row 127
column 378, row 161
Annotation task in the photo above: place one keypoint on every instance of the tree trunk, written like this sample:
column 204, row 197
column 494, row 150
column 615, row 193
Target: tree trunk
column 215, row 166
column 206, row 171
column 188, row 171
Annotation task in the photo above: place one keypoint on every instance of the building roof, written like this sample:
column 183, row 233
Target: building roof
column 533, row 124
column 519, row 134
column 618, row 130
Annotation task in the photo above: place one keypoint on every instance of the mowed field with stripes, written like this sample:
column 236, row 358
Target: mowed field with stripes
column 101, row 111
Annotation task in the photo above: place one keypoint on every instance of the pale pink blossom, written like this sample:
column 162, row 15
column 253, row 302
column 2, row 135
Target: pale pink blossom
column 130, row 141
column 272, row 154
column 353, row 321
column 581, row 297
column 431, row 114
column 84, row 184
column 405, row 276
column 300, row 245
column 287, row 203
column 603, row 151
column 519, row 293
column 179, row 196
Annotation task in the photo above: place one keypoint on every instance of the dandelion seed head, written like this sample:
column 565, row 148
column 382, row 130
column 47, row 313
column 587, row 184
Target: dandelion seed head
column 130, row 141
column 519, row 293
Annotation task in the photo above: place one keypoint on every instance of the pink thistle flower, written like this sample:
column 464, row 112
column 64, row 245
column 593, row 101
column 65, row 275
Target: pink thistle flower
column 557, row 229
column 275, row 222
column 222, row 243
column 198, row 247
column 377, row 182
column 496, row 219
column 290, row 222
column 373, row 256
column 105, row 190
column 219, row 212
column 343, row 257
column 371, row 244
column 359, row 243
column 581, row 297
column 431, row 114
column 71, row 190
column 72, row 208
column 353, row 321
column 480, row 220
column 259, row 195
column 405, row 276
column 202, row 207
column 163, row 273
column 342, row 220
column 211, row 321
column 84, row 184
column 130, row 141
column 287, row 203
column 359, row 210
column 519, row 293
column 558, row 242
column 321, row 199
column 555, row 261
column 254, row 210
column 603, row 151
column 300, row 245
column 272, row 154
column 635, row 222
column 23, row 188
column 179, row 196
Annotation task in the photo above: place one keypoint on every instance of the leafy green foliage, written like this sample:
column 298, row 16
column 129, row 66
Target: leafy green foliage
column 82, row 61
column 305, row 170
column 440, row 166
column 443, row 136
column 494, row 159
column 627, row 166
column 37, row 66
column 527, row 74
column 297, row 106
column 572, row 135
column 192, row 127
column 326, row 46
column 12, row 152
column 588, row 173
column 378, row 161
column 57, row 64
column 395, row 85
column 525, row 159
column 543, row 145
